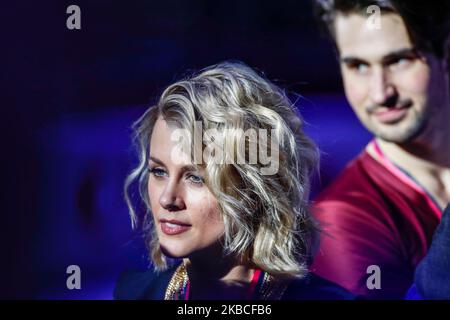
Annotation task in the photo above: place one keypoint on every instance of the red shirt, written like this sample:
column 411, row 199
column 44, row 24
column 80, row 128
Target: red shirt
column 373, row 214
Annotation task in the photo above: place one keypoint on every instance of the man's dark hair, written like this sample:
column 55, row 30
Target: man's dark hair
column 428, row 23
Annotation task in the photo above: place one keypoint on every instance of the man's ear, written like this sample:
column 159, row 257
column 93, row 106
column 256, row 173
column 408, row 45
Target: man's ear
column 447, row 54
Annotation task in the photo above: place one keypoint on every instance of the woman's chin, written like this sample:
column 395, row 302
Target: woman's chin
column 174, row 253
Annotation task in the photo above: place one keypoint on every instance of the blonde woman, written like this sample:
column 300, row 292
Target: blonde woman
column 224, row 175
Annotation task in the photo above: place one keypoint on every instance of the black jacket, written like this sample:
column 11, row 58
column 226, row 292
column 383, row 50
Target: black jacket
column 432, row 276
column 150, row 285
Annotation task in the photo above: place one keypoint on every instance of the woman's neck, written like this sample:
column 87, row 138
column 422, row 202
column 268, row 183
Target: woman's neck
column 218, row 278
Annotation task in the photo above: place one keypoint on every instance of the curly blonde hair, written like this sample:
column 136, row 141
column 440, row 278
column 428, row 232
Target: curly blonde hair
column 266, row 216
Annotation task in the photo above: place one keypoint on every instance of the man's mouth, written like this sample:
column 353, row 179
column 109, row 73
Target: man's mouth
column 388, row 115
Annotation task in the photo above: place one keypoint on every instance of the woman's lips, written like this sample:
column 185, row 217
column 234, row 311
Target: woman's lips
column 173, row 227
column 390, row 115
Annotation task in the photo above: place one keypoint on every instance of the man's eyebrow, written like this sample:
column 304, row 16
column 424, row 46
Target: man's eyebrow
column 351, row 60
column 411, row 52
column 391, row 55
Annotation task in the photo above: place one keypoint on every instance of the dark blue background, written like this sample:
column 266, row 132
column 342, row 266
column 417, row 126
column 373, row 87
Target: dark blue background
column 70, row 97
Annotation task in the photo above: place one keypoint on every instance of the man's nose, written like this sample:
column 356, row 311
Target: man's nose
column 382, row 91
column 171, row 198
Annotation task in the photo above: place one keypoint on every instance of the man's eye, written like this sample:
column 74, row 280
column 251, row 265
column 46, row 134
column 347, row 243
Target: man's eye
column 401, row 62
column 360, row 68
column 195, row 179
column 157, row 172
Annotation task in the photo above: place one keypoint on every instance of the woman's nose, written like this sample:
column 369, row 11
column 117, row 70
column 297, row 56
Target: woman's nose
column 171, row 198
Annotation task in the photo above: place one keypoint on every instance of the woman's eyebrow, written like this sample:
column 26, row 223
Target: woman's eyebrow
column 185, row 168
column 189, row 168
column 157, row 161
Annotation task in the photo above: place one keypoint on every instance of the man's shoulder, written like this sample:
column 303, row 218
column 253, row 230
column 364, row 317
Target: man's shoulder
column 142, row 285
column 362, row 187
column 360, row 179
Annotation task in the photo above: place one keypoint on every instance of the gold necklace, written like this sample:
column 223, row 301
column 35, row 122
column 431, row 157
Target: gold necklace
column 271, row 288
column 176, row 289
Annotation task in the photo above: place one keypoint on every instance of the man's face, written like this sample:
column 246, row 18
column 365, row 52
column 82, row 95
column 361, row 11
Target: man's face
column 394, row 90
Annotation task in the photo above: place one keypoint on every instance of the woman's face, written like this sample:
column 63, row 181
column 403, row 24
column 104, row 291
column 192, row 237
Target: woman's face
column 185, row 213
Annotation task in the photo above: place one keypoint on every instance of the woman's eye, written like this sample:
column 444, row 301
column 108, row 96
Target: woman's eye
column 195, row 179
column 157, row 172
